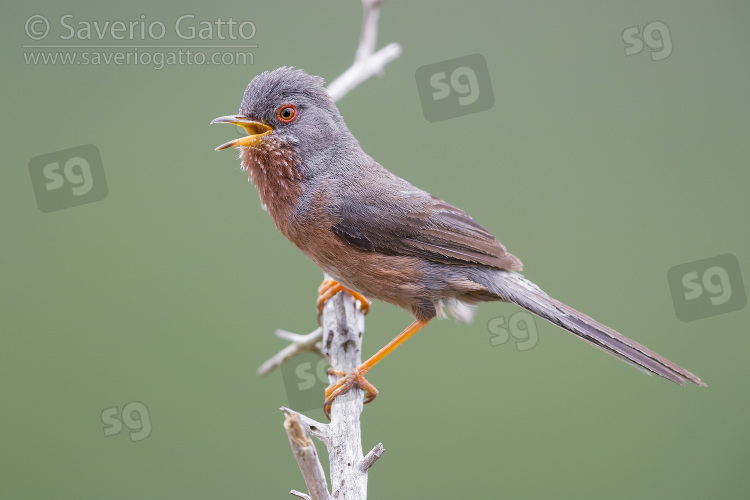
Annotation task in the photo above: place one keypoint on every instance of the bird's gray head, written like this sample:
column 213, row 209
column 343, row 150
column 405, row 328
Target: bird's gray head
column 290, row 106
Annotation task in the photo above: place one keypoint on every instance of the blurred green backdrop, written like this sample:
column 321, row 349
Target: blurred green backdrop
column 601, row 171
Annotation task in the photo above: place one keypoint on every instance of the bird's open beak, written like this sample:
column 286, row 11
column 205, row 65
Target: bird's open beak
column 256, row 131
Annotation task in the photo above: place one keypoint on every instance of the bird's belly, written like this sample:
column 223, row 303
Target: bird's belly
column 393, row 279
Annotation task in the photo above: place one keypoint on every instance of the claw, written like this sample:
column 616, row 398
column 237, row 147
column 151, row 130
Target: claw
column 330, row 287
column 356, row 376
column 344, row 385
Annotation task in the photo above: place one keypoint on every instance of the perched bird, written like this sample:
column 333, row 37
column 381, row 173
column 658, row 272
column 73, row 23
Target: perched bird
column 381, row 237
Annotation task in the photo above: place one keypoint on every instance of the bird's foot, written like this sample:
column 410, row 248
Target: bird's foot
column 330, row 287
column 344, row 384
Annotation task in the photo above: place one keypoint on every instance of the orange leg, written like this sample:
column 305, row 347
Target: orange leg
column 357, row 376
column 330, row 287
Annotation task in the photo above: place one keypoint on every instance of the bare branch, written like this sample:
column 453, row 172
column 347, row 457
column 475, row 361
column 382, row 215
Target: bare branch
column 343, row 326
column 299, row 494
column 369, row 37
column 371, row 457
column 313, row 427
column 367, row 62
column 307, row 459
column 299, row 343
column 361, row 71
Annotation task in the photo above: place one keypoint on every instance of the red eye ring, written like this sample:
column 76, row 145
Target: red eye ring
column 287, row 113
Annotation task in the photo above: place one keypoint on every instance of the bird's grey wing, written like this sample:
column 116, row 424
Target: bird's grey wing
column 409, row 221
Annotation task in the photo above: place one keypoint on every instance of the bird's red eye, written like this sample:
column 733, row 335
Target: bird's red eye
column 287, row 113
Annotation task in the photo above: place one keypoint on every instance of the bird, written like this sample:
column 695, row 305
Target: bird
column 378, row 236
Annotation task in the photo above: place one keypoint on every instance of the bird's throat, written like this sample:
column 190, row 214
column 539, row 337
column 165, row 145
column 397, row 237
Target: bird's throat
column 274, row 169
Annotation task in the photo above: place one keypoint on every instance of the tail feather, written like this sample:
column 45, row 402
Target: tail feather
column 513, row 287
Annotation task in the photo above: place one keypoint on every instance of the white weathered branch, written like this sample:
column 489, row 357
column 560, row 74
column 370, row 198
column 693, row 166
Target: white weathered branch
column 307, row 459
column 363, row 70
column 313, row 427
column 339, row 338
column 343, row 328
column 368, row 38
column 299, row 344
column 371, row 457
column 367, row 62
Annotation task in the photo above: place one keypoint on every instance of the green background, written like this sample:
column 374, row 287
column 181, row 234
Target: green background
column 600, row 171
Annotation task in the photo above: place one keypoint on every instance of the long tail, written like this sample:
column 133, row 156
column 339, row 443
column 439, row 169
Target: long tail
column 513, row 287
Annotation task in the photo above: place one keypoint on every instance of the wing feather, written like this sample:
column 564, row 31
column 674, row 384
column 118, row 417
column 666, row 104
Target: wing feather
column 418, row 225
